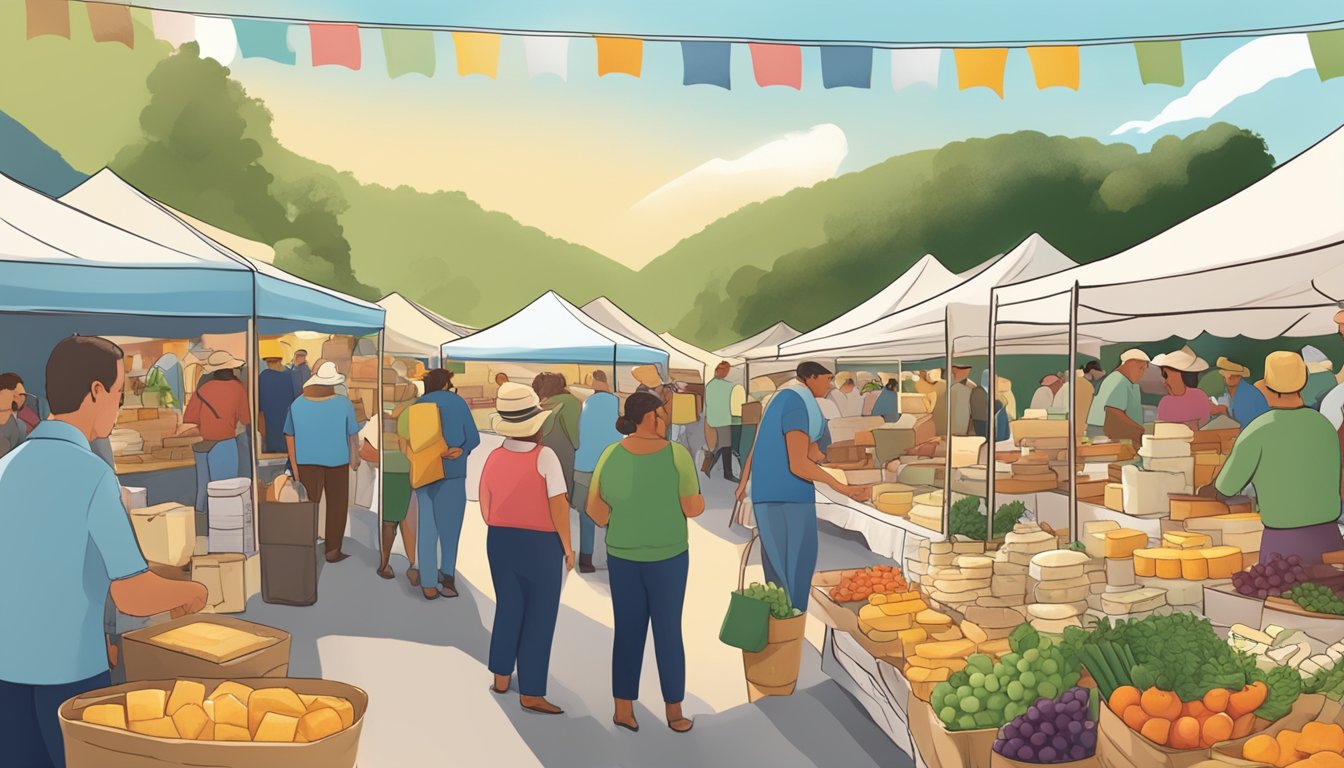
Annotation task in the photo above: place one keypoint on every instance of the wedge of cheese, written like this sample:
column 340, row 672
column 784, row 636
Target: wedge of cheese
column 1171, row 430
column 952, row 665
column 902, row 607
column 1122, row 542
column 228, row 710
column 275, row 727
column 927, row 674
column 226, row 732
column 185, row 692
column 1185, row 539
column 318, row 724
column 281, row 701
column 930, row 618
column 147, row 704
column 1161, row 562
column 111, row 715
column 190, row 720
column 237, row 690
column 1223, row 561
column 951, row 649
column 909, row 638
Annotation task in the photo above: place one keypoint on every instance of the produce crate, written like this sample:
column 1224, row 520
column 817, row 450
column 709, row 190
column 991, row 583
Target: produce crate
column 144, row 659
column 1308, row 708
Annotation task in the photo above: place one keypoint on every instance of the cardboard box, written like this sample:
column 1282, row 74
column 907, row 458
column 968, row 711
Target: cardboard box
column 96, row 746
column 1032, row 428
column 144, row 659
column 844, row 429
column 225, row 579
column 364, row 369
column 846, row 452
column 913, row 403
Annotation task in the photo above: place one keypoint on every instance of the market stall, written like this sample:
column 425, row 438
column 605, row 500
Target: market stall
column 414, row 331
column 681, row 366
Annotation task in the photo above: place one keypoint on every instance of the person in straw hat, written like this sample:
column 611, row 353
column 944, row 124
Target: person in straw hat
column 220, row 411
column 320, row 436
column 523, row 495
column 1245, row 403
column 1117, row 410
column 1185, row 402
column 1292, row 456
column 275, row 393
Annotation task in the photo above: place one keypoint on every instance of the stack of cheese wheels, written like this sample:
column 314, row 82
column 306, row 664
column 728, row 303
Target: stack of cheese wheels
column 893, row 498
column 1170, row 563
column 1061, row 591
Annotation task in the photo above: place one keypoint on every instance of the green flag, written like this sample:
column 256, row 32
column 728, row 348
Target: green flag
column 1327, row 49
column 408, row 51
column 1160, row 62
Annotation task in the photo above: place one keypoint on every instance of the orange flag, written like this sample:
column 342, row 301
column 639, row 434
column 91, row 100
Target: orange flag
column 477, row 53
column 111, row 23
column 981, row 67
column 619, row 56
column 48, row 17
column 1055, row 65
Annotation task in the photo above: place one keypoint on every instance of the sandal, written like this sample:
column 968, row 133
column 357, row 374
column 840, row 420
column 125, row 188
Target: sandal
column 689, row 725
column 413, row 576
column 386, row 572
column 631, row 728
column 430, row 594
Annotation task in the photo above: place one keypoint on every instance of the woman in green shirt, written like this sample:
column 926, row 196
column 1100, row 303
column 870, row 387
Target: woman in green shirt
column 643, row 490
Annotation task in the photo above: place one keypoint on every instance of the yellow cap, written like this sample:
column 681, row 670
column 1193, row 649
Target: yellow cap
column 270, row 348
column 1285, row 372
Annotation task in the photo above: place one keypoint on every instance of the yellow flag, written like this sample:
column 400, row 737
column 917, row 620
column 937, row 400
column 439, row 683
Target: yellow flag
column 1055, row 65
column 981, row 67
column 619, row 56
column 477, row 53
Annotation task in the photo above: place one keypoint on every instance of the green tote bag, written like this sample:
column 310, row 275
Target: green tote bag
column 747, row 623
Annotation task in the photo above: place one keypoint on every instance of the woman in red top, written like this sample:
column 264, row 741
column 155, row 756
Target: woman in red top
column 522, row 490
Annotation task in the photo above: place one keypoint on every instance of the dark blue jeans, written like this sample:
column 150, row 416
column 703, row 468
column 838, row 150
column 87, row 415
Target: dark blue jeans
column 527, row 568
column 644, row 594
column 30, row 731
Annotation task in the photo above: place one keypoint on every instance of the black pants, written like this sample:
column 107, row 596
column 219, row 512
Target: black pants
column 726, row 454
column 29, row 728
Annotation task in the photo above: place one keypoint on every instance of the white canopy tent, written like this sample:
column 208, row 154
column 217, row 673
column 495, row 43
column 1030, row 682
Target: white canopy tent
column 416, row 331
column 604, row 311
column 924, row 280
column 763, row 345
column 552, row 330
column 708, row 359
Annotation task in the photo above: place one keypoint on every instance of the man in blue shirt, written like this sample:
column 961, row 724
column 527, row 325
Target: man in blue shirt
column 66, row 543
column 275, row 393
column 1245, row 403
column 320, row 435
column 597, row 432
column 783, row 465
column 443, row 503
column 299, row 371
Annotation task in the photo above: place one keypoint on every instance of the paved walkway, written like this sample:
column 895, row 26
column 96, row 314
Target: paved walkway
column 423, row 664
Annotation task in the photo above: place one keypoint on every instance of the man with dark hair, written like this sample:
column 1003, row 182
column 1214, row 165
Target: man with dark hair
column 300, row 371
column 782, row 467
column 725, row 421
column 442, row 504
column 12, row 398
column 66, row 543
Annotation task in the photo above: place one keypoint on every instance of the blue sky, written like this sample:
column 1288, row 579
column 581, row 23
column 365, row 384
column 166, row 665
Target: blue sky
column 575, row 158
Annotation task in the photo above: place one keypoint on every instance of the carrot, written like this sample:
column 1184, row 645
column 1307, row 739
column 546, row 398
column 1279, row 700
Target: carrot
column 1135, row 717
column 1217, row 728
column 1216, row 699
column 1185, row 733
column 1157, row 730
column 1123, row 698
column 1242, row 726
column 1162, row 704
column 1248, row 699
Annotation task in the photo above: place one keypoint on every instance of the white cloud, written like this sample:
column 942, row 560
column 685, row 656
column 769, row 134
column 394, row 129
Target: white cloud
column 217, row 39
column 1244, row 71
column 687, row 204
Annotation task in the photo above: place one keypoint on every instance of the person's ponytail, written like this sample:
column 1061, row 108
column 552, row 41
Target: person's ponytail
column 637, row 407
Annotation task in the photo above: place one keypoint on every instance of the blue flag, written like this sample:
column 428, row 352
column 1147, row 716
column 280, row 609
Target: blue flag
column 260, row 39
column 846, row 66
column 707, row 63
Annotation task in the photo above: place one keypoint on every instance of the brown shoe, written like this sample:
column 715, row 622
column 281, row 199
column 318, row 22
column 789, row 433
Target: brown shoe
column 413, row 576
column 336, row 557
column 386, row 572
column 586, row 564
column 430, row 594
column 448, row 586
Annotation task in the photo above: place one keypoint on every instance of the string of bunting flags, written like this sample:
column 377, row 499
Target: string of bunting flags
column 413, row 51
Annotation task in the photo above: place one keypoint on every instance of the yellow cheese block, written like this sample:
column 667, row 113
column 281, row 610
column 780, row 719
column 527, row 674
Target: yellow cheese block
column 1186, row 539
column 111, row 715
column 281, row 701
column 185, row 692
column 1158, row 561
column 230, row 711
column 952, row 665
column 208, row 732
column 951, row 649
column 927, row 675
column 909, row 638
column 190, row 720
column 1121, row 542
column 1115, row 497
column 903, row 607
column 931, row 618
column 318, row 724
column 884, row 628
column 1223, row 561
column 943, row 634
column 146, row 705
column 162, row 727
column 226, row 732
column 238, row 690
column 896, row 497
column 973, row 632
column 996, row 648
column 214, row 640
column 1194, row 566
column 308, row 698
column 343, row 708
column 275, row 727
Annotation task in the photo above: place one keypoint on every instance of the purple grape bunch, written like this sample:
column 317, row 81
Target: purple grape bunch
column 1270, row 579
column 1052, row 731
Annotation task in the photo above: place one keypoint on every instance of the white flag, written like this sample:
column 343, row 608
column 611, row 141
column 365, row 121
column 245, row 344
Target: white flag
column 547, row 55
column 217, row 39
column 913, row 66
column 174, row 28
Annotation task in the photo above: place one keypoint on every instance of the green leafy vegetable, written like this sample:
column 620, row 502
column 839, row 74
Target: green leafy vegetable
column 1285, row 685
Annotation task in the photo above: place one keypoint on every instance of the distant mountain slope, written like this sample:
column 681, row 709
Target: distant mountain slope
column 28, row 159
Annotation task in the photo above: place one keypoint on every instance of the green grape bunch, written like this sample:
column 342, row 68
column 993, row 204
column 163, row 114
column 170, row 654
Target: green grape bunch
column 774, row 596
column 987, row 695
column 1317, row 598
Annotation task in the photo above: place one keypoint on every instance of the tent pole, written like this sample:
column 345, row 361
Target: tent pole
column 614, row 355
column 378, row 415
column 947, row 393
column 1073, row 414
column 900, row 372
column 991, row 448
column 254, row 398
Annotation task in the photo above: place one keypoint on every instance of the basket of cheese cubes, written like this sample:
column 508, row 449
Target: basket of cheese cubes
column 251, row 722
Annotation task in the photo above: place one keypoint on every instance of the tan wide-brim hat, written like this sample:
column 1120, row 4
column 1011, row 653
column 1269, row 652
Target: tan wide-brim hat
column 1231, row 366
column 1183, row 359
column 518, row 411
column 219, row 360
column 648, row 376
column 1285, row 372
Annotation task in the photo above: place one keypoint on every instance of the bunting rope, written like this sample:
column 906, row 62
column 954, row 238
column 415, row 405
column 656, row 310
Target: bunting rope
column 707, row 60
